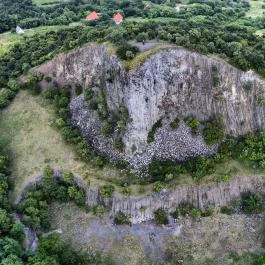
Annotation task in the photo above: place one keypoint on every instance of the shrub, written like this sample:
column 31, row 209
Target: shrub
column 48, row 79
column 100, row 161
column 160, row 170
column 78, row 90
column 158, row 187
column 213, row 131
column 195, row 213
column 142, row 37
column 107, row 128
column 226, row 210
column 88, row 94
column 5, row 96
column 83, row 150
column 13, row 85
column 194, row 124
column 68, row 177
column 122, row 164
column 161, row 217
column 208, row 212
column 106, row 191
column 252, row 203
column 99, row 210
column 123, row 50
column 119, row 145
column 199, row 167
column 248, row 85
column 152, row 133
column 60, row 123
column 48, row 171
column 215, row 75
column 121, row 219
column 175, row 123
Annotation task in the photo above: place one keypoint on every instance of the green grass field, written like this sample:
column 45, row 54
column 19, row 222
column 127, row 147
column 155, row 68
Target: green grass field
column 255, row 9
column 48, row 2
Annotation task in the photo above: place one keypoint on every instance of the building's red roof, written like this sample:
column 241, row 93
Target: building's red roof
column 92, row 16
column 118, row 17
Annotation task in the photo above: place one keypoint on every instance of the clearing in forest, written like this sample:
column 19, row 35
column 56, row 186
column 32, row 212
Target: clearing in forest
column 255, row 8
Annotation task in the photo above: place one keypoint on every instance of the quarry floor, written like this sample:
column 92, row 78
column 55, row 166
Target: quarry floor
column 209, row 240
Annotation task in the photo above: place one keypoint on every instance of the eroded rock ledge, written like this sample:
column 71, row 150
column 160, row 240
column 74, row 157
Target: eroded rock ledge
column 142, row 208
column 170, row 83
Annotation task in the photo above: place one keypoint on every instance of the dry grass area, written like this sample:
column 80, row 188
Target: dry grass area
column 28, row 134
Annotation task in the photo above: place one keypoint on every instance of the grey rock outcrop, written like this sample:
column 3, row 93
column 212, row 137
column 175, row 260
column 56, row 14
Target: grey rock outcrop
column 200, row 196
column 170, row 83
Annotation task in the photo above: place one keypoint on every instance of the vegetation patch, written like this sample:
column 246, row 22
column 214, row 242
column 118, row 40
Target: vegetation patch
column 175, row 123
column 213, row 131
column 252, row 203
column 194, row 124
column 216, row 77
column 152, row 133
column 121, row 219
column 161, row 217
column 106, row 191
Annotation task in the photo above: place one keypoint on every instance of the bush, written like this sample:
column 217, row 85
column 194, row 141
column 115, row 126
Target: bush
column 175, row 123
column 208, row 212
column 48, row 171
column 106, row 191
column 99, row 210
column 195, row 213
column 248, row 85
column 213, row 131
column 5, row 97
column 68, row 178
column 194, row 124
column 107, row 128
column 48, row 79
column 158, row 187
column 88, row 94
column 119, row 145
column 152, row 133
column 215, row 75
column 123, row 50
column 78, row 90
column 199, row 167
column 160, row 170
column 121, row 219
column 252, row 203
column 226, row 210
column 161, row 217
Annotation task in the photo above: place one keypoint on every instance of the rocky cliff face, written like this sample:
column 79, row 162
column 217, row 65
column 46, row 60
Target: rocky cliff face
column 170, row 83
column 200, row 196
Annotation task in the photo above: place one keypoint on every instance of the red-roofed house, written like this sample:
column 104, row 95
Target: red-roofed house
column 118, row 18
column 92, row 16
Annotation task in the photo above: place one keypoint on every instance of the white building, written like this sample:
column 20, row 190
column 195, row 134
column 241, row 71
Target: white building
column 19, row 30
